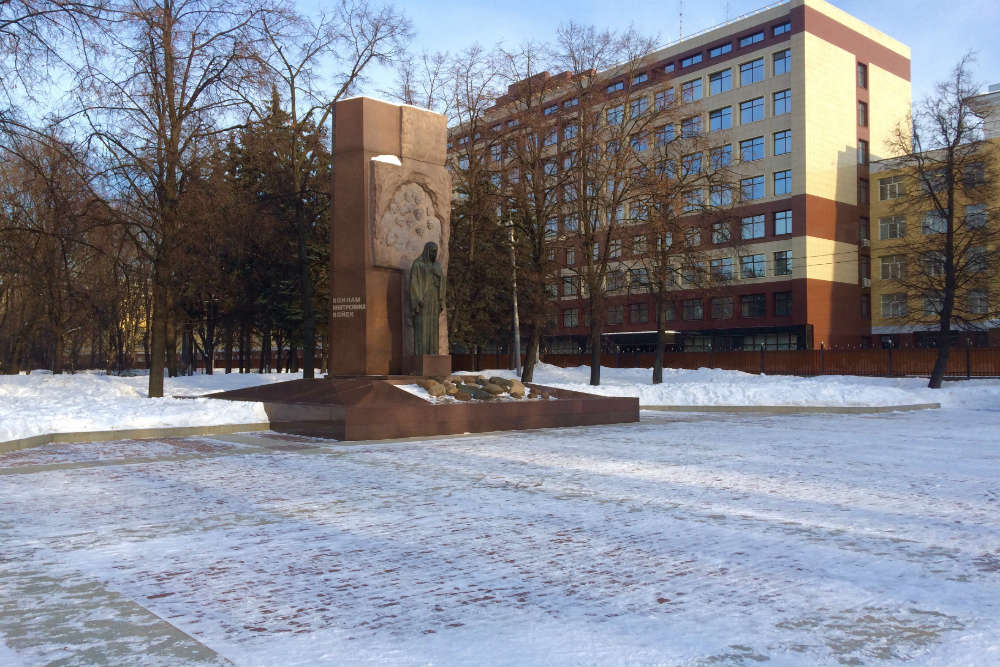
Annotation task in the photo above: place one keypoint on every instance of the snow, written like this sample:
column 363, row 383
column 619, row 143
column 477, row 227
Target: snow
column 388, row 159
column 715, row 387
column 684, row 539
column 45, row 403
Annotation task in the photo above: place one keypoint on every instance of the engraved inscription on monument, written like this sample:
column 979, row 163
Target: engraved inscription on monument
column 346, row 306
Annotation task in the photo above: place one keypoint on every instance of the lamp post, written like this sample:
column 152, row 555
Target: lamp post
column 516, row 349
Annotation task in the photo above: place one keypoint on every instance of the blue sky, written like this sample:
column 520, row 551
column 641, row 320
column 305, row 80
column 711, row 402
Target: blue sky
column 938, row 33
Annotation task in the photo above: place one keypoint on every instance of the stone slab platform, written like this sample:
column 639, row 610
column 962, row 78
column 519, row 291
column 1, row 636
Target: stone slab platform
column 372, row 408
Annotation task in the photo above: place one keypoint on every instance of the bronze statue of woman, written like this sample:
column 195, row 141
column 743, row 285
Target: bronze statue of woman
column 426, row 300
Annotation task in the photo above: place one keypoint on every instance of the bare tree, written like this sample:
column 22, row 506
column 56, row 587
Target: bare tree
column 172, row 70
column 611, row 125
column 350, row 39
column 948, row 267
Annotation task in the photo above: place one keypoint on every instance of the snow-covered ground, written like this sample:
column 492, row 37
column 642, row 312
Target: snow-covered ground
column 684, row 539
column 45, row 403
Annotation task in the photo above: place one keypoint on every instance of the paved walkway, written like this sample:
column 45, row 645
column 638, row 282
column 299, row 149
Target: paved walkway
column 731, row 539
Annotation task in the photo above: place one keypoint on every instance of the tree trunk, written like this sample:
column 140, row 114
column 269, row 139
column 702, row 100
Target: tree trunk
column 57, row 354
column 528, row 373
column 305, row 279
column 171, row 342
column 157, row 338
column 187, row 349
column 941, row 363
column 265, row 351
column 595, row 349
column 229, row 347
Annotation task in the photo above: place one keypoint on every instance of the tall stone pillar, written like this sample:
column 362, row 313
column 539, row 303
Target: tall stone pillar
column 392, row 194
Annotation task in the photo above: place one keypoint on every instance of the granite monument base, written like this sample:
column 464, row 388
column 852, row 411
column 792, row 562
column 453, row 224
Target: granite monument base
column 374, row 408
column 431, row 365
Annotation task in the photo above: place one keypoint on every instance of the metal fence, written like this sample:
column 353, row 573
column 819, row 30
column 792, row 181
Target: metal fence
column 965, row 362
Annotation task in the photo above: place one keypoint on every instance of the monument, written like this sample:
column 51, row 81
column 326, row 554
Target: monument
column 392, row 198
column 388, row 316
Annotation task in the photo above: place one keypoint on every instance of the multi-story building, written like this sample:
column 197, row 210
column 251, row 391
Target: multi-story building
column 803, row 95
column 907, row 244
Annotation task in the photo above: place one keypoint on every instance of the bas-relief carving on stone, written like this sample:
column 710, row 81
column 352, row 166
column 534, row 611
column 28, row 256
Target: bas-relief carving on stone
column 409, row 223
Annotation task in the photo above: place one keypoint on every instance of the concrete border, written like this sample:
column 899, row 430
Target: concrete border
column 794, row 409
column 224, row 429
column 128, row 433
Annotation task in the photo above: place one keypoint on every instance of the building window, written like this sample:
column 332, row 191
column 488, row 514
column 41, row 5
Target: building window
column 894, row 305
column 638, row 313
column 664, row 135
column 862, row 151
column 638, row 280
column 571, row 132
column 782, row 304
column 691, row 127
column 691, row 164
column 752, row 188
column 721, row 49
column 753, row 266
column 751, row 110
column 720, row 232
column 933, row 222
column 615, row 248
column 862, row 75
column 783, row 263
column 548, row 111
column 551, row 228
column 782, row 142
column 720, row 195
column 752, row 72
column 891, row 227
column 752, row 149
column 782, row 62
column 720, row 119
column 752, row 227
column 783, row 182
column 863, row 191
column 932, row 264
column 668, row 312
column 720, row 82
column 616, row 86
column 638, row 213
column 782, row 28
column 782, row 102
column 862, row 114
column 668, row 68
column 976, row 259
column 933, row 302
column 640, row 78
column 722, row 308
column 721, row 156
column 691, row 60
column 691, row 90
column 639, row 142
column 551, row 138
column 975, row 216
column 782, row 222
column 692, row 272
column 513, row 122
column 753, row 305
column 979, row 302
column 571, row 254
column 639, row 245
column 752, row 39
column 722, row 269
column 616, row 114
column 571, row 318
column 596, row 251
column 893, row 267
column 663, row 99
column 571, row 102
column 692, row 237
column 691, row 309
column 616, row 281
column 890, row 188
column 638, row 106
